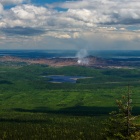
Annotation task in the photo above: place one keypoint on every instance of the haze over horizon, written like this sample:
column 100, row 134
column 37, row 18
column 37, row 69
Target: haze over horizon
column 70, row 24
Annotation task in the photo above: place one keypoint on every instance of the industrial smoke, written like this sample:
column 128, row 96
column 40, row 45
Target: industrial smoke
column 82, row 57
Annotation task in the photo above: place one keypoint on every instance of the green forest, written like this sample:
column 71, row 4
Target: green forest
column 33, row 108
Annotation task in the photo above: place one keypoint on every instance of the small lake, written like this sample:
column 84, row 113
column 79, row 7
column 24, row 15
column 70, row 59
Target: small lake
column 63, row 79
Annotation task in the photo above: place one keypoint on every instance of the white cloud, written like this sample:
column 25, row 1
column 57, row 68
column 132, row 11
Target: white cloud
column 106, row 11
column 12, row 2
column 85, row 15
column 25, row 13
column 1, row 8
column 59, row 35
column 24, row 16
column 76, row 35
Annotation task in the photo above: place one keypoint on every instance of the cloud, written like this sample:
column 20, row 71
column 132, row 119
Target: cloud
column 59, row 35
column 24, row 16
column 22, row 31
column 109, row 20
column 1, row 8
column 29, row 12
column 84, row 16
column 12, row 2
column 105, row 11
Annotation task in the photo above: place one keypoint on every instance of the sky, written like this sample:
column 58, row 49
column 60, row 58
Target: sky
column 70, row 24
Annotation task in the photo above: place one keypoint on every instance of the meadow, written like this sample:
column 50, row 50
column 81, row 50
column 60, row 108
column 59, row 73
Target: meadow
column 33, row 108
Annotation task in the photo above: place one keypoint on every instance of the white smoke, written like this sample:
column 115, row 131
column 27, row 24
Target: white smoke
column 81, row 55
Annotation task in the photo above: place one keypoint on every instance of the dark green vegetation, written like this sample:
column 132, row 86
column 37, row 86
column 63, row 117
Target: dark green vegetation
column 33, row 108
column 121, row 123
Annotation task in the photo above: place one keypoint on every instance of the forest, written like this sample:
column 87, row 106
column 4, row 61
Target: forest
column 32, row 107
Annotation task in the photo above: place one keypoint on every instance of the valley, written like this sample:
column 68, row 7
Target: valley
column 29, row 101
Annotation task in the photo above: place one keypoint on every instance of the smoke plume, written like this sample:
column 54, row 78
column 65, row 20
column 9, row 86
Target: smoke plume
column 81, row 55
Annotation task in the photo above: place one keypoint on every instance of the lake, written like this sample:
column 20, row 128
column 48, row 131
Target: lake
column 63, row 79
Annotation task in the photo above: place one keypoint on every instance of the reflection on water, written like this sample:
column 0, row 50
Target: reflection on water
column 62, row 78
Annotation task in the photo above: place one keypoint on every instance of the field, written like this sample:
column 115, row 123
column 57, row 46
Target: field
column 33, row 108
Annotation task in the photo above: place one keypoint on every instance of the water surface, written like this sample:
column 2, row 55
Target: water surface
column 64, row 79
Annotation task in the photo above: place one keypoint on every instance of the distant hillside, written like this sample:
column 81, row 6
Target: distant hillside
column 89, row 61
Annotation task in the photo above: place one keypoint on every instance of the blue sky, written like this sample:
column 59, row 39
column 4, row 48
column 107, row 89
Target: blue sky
column 46, row 1
column 61, row 24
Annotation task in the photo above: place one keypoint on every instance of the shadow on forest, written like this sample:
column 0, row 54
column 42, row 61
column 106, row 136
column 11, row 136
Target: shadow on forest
column 5, row 82
column 70, row 111
column 77, row 110
column 74, row 111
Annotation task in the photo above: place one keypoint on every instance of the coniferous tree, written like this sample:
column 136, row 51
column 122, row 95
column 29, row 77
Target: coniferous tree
column 120, row 126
